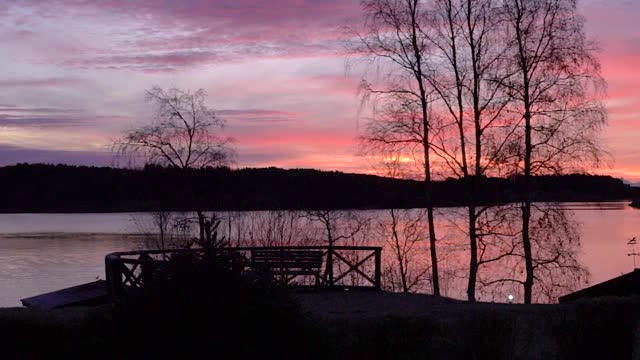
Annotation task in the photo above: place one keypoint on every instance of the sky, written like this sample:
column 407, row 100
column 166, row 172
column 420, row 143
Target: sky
column 73, row 74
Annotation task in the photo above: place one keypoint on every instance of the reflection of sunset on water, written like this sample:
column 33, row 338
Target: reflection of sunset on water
column 75, row 244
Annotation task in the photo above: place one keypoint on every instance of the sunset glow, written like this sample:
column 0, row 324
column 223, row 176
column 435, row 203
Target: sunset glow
column 73, row 75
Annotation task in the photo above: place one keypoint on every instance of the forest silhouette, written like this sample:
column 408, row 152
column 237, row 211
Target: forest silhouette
column 64, row 188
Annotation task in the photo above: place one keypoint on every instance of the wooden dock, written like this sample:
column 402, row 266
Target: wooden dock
column 345, row 267
column 93, row 293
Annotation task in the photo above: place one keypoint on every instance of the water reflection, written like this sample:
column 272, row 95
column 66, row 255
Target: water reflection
column 46, row 252
column 31, row 264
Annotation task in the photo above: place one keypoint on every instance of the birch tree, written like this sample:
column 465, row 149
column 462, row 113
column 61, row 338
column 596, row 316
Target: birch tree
column 556, row 87
column 468, row 69
column 392, row 39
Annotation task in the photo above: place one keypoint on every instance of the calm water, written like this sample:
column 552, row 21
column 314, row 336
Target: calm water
column 46, row 252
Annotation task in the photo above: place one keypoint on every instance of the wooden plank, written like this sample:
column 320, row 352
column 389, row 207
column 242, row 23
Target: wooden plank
column 291, row 272
column 288, row 255
column 277, row 264
column 288, row 263
column 86, row 294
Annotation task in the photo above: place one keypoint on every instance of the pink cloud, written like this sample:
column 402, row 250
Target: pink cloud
column 294, row 157
column 169, row 35
column 309, row 138
column 20, row 117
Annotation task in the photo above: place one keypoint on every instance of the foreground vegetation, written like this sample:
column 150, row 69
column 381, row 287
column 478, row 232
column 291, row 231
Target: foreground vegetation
column 590, row 330
column 203, row 311
column 601, row 329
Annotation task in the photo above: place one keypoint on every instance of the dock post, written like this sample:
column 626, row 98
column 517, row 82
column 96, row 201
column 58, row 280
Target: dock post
column 378, row 270
column 113, row 274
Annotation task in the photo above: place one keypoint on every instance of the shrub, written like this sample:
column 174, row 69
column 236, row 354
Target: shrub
column 204, row 308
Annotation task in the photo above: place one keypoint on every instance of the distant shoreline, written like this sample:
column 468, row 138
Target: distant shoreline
column 81, row 189
column 628, row 202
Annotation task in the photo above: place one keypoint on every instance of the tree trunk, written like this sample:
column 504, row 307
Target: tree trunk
column 473, row 254
column 528, row 149
column 399, row 253
column 429, row 202
column 528, row 257
column 427, row 150
column 434, row 256
column 526, row 208
column 478, row 173
column 329, row 265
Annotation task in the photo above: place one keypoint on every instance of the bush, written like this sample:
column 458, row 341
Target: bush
column 204, row 309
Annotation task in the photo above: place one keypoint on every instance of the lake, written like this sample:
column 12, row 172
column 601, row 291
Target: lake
column 47, row 252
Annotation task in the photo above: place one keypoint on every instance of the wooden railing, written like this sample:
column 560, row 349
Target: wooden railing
column 353, row 267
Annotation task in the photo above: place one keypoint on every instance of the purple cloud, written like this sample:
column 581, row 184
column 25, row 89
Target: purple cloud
column 17, row 109
column 168, row 35
column 55, row 81
column 11, row 155
column 263, row 157
column 42, row 121
column 25, row 116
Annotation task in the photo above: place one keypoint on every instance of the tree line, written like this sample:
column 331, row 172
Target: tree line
column 59, row 188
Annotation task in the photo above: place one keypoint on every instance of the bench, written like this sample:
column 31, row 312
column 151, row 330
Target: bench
column 287, row 264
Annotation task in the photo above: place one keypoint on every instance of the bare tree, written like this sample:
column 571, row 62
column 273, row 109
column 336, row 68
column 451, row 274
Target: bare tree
column 403, row 231
column 184, row 135
column 474, row 134
column 555, row 243
column 337, row 226
column 392, row 38
column 157, row 228
column 164, row 230
column 272, row 228
column 555, row 87
column 404, row 235
column 555, row 240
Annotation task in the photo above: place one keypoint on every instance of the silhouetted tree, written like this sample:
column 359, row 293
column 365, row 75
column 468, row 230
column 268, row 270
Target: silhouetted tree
column 182, row 135
column 555, row 85
column 554, row 246
column 268, row 228
column 392, row 38
column 160, row 229
column 404, row 235
column 336, row 226
column 208, row 238
column 468, row 64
